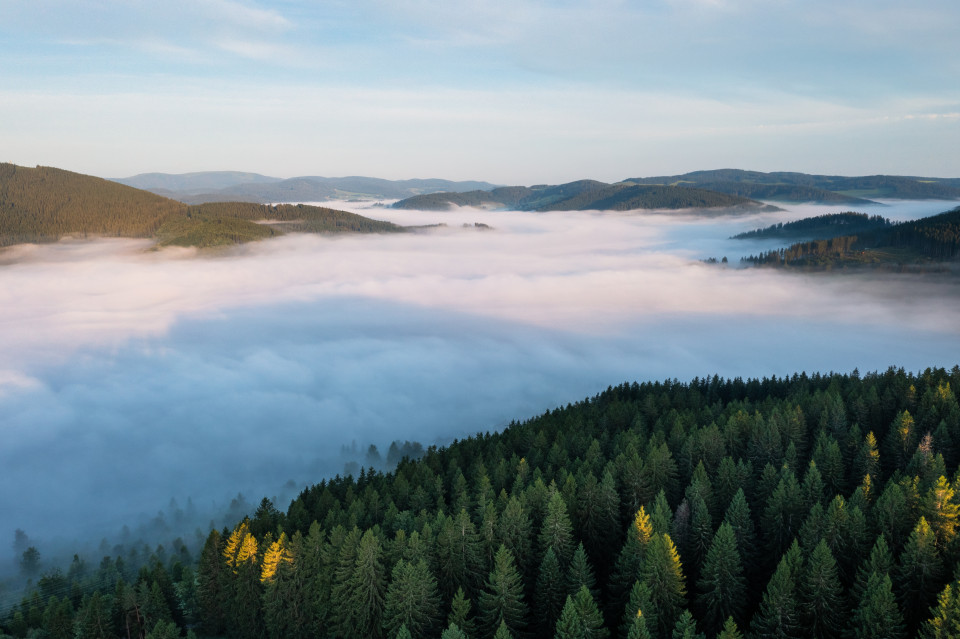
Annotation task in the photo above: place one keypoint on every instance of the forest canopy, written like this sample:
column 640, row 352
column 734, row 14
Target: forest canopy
column 802, row 506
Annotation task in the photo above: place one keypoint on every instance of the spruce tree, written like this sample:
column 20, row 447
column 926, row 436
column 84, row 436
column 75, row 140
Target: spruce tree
column 412, row 600
column 686, row 627
column 730, row 630
column 877, row 614
column 501, row 601
column 550, row 592
column 944, row 622
column 460, row 615
column 557, row 531
column 721, row 587
column 663, row 575
column 821, row 595
column 920, row 575
column 581, row 573
column 367, row 590
column 779, row 613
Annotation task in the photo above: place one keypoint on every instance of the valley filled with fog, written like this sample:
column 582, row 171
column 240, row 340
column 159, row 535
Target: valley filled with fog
column 129, row 376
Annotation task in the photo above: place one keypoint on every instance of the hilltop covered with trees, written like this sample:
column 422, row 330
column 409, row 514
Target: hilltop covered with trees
column 44, row 204
column 928, row 242
column 803, row 506
column 583, row 195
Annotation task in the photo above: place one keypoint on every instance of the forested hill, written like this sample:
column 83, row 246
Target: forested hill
column 583, row 195
column 819, row 227
column 931, row 241
column 803, row 187
column 44, row 204
column 803, row 506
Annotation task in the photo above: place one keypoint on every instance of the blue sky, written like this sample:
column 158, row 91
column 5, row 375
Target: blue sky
column 511, row 92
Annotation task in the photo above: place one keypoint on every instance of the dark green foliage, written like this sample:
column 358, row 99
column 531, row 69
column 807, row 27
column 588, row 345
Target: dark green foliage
column 721, row 587
column 779, row 613
column 821, row 594
column 877, row 614
column 944, row 622
column 501, row 601
column 686, row 628
column 819, row 227
column 412, row 600
column 312, row 572
column 580, row 618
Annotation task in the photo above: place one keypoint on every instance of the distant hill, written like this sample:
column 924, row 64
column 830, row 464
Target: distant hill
column 193, row 183
column 582, row 195
column 229, row 186
column 816, row 188
column 44, row 204
column 923, row 243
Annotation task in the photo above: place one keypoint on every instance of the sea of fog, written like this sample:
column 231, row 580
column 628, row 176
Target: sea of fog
column 129, row 376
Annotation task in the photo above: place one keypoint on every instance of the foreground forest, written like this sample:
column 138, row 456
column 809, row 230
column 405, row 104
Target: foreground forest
column 803, row 506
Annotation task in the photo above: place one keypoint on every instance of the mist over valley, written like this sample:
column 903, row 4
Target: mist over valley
column 133, row 376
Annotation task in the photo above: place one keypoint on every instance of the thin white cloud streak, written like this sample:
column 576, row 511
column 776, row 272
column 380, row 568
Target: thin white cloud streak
column 554, row 135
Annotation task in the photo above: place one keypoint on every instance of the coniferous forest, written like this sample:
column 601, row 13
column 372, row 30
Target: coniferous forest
column 804, row 506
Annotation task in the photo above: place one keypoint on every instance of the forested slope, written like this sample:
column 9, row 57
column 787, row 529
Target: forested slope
column 932, row 240
column 808, row 506
column 44, row 204
column 582, row 195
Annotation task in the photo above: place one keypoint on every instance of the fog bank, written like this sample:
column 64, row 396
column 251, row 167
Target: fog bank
column 128, row 377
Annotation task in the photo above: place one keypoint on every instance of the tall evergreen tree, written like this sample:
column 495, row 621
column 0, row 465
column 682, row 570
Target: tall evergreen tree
column 412, row 600
column 460, row 615
column 550, row 592
column 944, row 622
column 821, row 595
column 686, row 627
column 779, row 613
column 920, row 575
column 663, row 575
column 501, row 601
column 367, row 590
column 877, row 615
column 721, row 587
column 557, row 531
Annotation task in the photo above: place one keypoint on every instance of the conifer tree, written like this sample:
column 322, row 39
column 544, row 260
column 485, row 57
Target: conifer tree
column 557, row 531
column 941, row 511
column 501, row 601
column 412, row 600
column 453, row 631
column 458, row 555
column 779, row 614
column 730, row 630
column 877, row 614
column 944, row 622
column 919, row 577
column 629, row 562
column 739, row 518
column 503, row 632
column 821, row 595
column 550, row 591
column 721, row 586
column 367, row 590
column 581, row 573
column 212, row 585
column 514, row 532
column 663, row 575
column 686, row 628
column 637, row 628
column 640, row 604
column 661, row 516
column 460, row 615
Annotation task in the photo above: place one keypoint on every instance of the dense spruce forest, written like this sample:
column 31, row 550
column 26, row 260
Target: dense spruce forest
column 931, row 241
column 44, row 204
column 582, row 195
column 803, row 506
column 819, row 227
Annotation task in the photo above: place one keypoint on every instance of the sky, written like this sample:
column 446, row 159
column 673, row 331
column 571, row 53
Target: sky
column 513, row 92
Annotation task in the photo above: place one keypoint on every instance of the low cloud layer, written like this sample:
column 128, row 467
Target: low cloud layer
column 129, row 377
